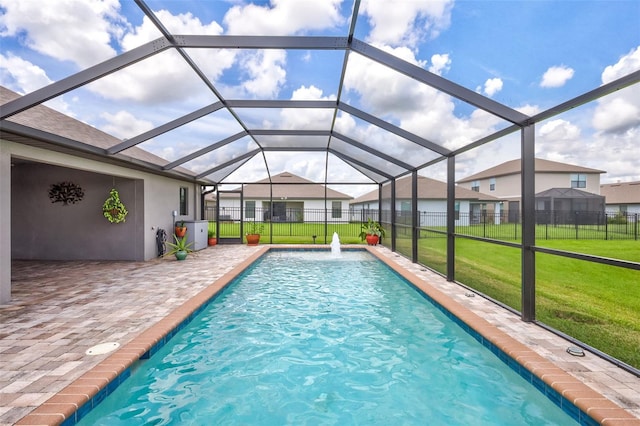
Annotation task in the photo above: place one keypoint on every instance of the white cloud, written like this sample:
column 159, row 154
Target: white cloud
column 529, row 110
column 20, row 74
column 283, row 17
column 123, row 124
column 492, row 86
column 412, row 105
column 24, row 77
column 406, row 22
column 556, row 76
column 440, row 63
column 559, row 130
column 619, row 111
column 626, row 65
column 80, row 31
column 311, row 119
column 147, row 81
column 266, row 72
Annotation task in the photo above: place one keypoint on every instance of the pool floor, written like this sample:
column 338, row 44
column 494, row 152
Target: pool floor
column 61, row 377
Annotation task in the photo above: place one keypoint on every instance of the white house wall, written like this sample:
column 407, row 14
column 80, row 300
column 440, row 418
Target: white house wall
column 508, row 187
column 631, row 209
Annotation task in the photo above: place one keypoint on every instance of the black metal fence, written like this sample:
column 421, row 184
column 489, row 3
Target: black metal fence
column 549, row 225
column 499, row 226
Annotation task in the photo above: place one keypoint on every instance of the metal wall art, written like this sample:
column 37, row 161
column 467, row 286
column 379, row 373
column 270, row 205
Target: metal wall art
column 65, row 193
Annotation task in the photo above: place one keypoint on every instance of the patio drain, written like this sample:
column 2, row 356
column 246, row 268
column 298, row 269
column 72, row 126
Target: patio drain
column 103, row 348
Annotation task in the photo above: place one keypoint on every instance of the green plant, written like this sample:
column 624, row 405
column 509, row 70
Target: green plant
column 180, row 244
column 618, row 219
column 253, row 228
column 113, row 209
column 371, row 227
column 211, row 233
column 180, row 224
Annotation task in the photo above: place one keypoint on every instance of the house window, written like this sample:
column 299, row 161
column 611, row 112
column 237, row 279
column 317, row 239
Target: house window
column 250, row 209
column 578, row 181
column 336, row 209
column 475, row 185
column 184, row 201
column 457, row 210
column 492, row 184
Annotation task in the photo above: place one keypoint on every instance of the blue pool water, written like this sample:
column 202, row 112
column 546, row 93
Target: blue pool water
column 304, row 338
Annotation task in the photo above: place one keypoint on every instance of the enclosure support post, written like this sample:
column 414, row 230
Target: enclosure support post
column 451, row 218
column 528, row 224
column 415, row 232
column 392, row 209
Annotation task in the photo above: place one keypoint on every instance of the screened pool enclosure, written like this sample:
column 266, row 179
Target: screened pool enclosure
column 327, row 131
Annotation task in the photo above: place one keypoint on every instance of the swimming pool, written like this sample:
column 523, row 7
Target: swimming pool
column 351, row 351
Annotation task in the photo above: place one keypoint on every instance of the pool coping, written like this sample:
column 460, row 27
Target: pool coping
column 79, row 397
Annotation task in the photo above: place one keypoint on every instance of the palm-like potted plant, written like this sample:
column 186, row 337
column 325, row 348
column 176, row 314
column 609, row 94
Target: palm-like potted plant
column 180, row 248
column 254, row 229
column 372, row 231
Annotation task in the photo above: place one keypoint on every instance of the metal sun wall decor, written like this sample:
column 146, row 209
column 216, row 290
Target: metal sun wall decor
column 65, row 193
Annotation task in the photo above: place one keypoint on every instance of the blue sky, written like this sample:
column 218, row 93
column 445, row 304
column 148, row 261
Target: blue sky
column 528, row 55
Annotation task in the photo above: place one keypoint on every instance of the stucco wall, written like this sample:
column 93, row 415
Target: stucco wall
column 53, row 231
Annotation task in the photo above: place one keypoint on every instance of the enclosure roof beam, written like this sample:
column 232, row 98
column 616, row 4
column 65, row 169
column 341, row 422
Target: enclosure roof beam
column 294, row 149
column 261, row 103
column 165, row 127
column 205, row 150
column 439, row 83
column 261, row 42
column 289, row 132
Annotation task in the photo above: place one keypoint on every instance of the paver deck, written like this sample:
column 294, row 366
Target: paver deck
column 61, row 309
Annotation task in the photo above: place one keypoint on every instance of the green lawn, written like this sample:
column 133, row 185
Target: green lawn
column 597, row 304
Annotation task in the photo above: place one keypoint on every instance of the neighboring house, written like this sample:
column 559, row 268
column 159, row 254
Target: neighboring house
column 289, row 198
column 503, row 181
column 622, row 198
column 471, row 207
column 60, row 149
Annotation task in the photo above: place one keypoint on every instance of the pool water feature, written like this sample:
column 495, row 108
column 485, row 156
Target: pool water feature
column 306, row 338
column 335, row 245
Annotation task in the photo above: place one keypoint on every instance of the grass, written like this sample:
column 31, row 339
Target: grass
column 596, row 304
